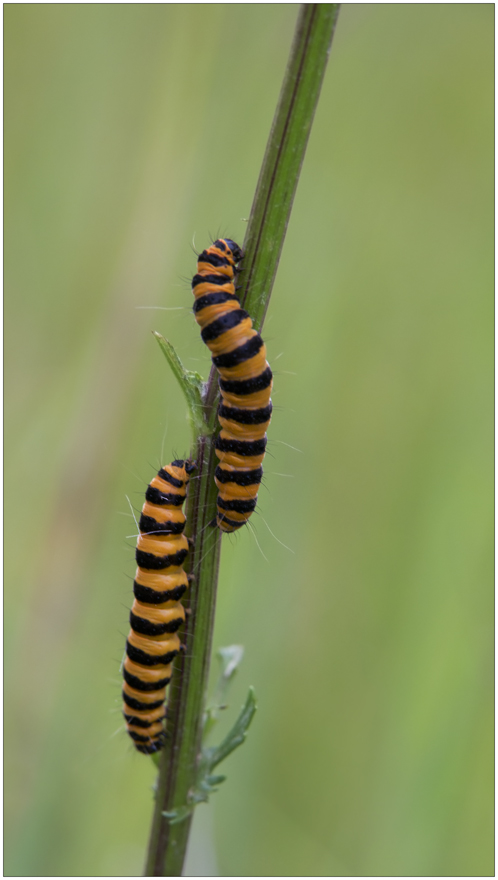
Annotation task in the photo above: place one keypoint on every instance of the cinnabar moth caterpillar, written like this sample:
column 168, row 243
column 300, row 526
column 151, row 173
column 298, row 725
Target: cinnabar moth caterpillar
column 157, row 613
column 239, row 354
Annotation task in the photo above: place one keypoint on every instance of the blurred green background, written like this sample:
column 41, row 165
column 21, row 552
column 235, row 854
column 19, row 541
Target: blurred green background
column 131, row 132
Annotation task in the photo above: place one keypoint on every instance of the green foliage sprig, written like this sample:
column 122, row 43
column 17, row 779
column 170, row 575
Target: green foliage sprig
column 206, row 783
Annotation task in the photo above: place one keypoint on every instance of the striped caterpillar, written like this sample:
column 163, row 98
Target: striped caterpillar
column 157, row 613
column 239, row 354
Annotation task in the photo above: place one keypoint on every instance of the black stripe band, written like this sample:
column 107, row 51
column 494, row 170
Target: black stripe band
column 155, row 496
column 234, row 524
column 217, row 280
column 151, row 597
column 239, row 355
column 149, row 525
column 242, row 447
column 144, row 627
column 240, row 478
column 145, row 686
column 154, row 742
column 144, row 659
column 141, row 722
column 245, row 416
column 155, row 746
column 223, row 324
column 237, row 505
column 214, row 299
column 136, row 704
column 214, row 259
column 169, row 478
column 157, row 563
column 247, row 386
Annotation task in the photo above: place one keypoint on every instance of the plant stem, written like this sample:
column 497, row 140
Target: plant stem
column 187, row 688
column 263, row 244
column 284, row 155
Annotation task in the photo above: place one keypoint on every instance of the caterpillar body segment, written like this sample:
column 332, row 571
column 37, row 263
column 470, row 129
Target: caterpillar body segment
column 156, row 614
column 239, row 354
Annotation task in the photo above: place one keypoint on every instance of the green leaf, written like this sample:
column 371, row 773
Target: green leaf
column 230, row 658
column 177, row 816
column 191, row 384
column 206, row 782
column 215, row 780
column 215, row 754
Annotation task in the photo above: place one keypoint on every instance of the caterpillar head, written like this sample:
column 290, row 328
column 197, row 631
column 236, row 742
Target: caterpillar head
column 230, row 247
column 189, row 466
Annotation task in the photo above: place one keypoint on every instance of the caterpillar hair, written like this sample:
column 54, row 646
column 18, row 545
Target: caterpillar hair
column 157, row 613
column 239, row 354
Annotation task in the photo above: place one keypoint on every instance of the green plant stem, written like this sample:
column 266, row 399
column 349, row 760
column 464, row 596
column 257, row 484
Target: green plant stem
column 263, row 244
column 187, row 688
column 284, row 155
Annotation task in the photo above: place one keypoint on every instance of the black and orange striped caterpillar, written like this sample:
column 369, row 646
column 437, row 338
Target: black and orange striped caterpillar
column 157, row 613
column 239, row 354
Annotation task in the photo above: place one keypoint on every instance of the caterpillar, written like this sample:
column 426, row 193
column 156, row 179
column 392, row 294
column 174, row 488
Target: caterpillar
column 239, row 354
column 157, row 613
